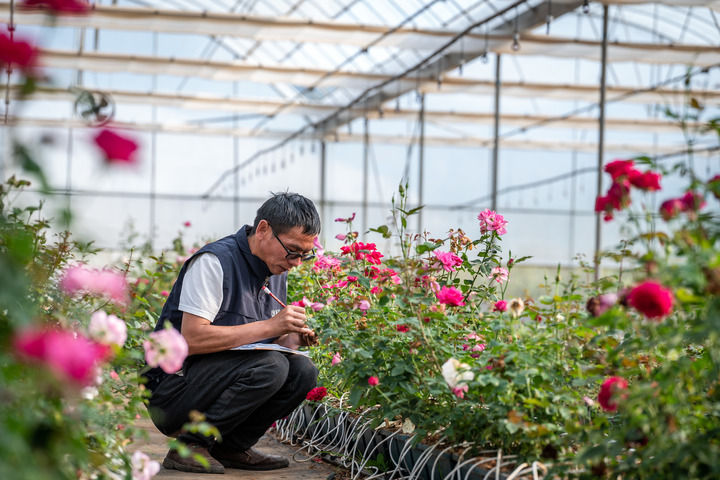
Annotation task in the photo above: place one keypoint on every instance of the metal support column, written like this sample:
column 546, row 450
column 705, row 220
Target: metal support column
column 323, row 181
column 236, row 167
column 153, row 156
column 5, row 153
column 366, row 180
column 421, row 162
column 496, row 137
column 601, row 139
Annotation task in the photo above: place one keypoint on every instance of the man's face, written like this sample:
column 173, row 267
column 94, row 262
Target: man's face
column 273, row 248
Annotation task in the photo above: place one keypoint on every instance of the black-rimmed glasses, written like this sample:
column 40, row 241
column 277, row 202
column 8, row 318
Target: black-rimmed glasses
column 304, row 257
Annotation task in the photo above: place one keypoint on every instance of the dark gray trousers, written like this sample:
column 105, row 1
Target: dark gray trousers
column 240, row 392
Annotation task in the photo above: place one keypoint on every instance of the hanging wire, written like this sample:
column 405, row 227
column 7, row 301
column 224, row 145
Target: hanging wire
column 516, row 34
column 548, row 17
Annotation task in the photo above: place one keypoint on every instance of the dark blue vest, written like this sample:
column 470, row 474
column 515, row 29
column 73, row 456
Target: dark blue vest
column 244, row 274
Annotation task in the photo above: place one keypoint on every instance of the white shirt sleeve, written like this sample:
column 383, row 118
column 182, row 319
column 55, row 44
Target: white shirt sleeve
column 202, row 289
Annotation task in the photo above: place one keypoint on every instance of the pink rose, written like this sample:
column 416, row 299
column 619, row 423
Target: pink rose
column 325, row 263
column 460, row 391
column 492, row 221
column 166, row 349
column 448, row 260
column 373, row 381
column 187, row 224
column 341, row 237
column 336, row 359
column 363, row 305
column 500, row 306
column 69, row 354
column 601, row 304
column 651, row 299
column 450, row 296
column 97, row 282
column 107, row 329
column 142, row 467
column 499, row 274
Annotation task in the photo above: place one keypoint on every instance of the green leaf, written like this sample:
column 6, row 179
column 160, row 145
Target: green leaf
column 355, row 395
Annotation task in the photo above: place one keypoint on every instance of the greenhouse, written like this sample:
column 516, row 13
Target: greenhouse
column 421, row 239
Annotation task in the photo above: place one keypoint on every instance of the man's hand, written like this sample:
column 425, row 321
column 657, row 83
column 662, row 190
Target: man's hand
column 308, row 339
column 290, row 319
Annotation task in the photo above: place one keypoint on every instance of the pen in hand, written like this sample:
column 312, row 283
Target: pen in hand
column 307, row 339
column 267, row 290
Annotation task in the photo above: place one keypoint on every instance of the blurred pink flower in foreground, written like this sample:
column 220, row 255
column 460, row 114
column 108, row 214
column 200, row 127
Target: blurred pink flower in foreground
column 107, row 329
column 318, row 246
column 142, row 467
column 70, row 355
column 492, row 221
column 116, row 148
column 59, row 7
column 96, row 282
column 166, row 349
column 17, row 53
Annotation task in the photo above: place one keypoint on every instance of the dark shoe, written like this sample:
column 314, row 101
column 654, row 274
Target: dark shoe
column 250, row 459
column 174, row 461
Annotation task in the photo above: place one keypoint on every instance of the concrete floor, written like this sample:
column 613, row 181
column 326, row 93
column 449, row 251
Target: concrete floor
column 156, row 448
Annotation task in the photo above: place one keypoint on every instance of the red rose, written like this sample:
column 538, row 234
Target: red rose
column 373, row 381
column 59, row 7
column 619, row 194
column 645, row 181
column 317, row 394
column 618, row 168
column 403, row 328
column 609, row 389
column 117, row 149
column 651, row 299
column 714, row 186
column 17, row 53
column 692, row 202
column 670, row 209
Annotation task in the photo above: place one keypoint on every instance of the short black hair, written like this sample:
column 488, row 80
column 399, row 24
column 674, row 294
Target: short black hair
column 286, row 210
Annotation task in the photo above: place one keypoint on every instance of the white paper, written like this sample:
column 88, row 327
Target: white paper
column 270, row 346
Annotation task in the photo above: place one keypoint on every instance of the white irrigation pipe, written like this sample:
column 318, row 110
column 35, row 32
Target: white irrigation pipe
column 338, row 433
